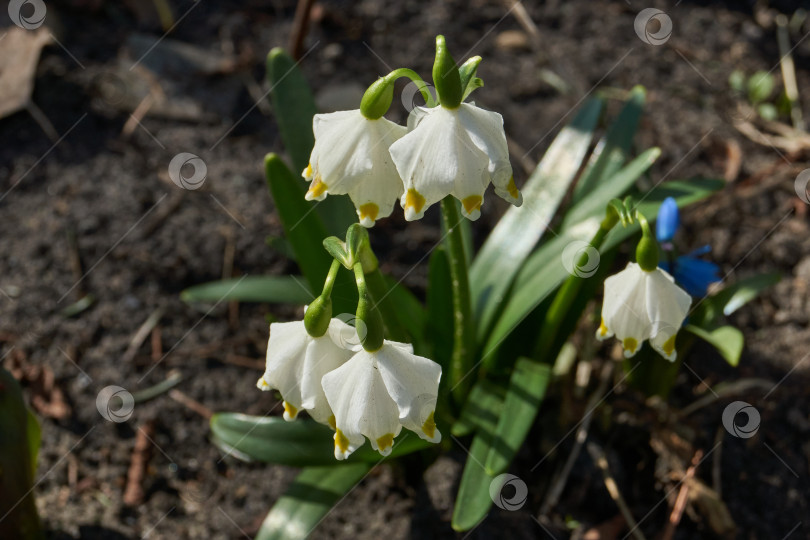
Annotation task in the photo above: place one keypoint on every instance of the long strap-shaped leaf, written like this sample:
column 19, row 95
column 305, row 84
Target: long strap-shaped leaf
column 311, row 496
column 293, row 108
column 272, row 289
column 520, row 228
column 301, row 443
column 527, row 388
column 613, row 150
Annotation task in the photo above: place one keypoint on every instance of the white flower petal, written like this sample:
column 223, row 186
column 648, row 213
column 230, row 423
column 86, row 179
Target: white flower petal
column 362, row 407
column 667, row 307
column 285, row 352
column 321, row 357
column 624, row 309
column 413, row 382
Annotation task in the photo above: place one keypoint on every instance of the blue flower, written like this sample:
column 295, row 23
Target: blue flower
column 668, row 220
column 693, row 274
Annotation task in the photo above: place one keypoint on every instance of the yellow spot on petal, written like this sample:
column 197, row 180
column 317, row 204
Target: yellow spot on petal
column 261, row 384
column 308, row 171
column 415, row 200
column 341, row 442
column 603, row 329
column 630, row 345
column 472, row 203
column 332, row 423
column 669, row 345
column 429, row 427
column 512, row 188
column 316, row 188
column 386, row 441
column 291, row 410
column 369, row 210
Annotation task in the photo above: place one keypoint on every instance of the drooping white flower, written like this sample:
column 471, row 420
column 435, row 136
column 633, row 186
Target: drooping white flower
column 351, row 156
column 296, row 363
column 375, row 394
column 453, row 152
column 641, row 305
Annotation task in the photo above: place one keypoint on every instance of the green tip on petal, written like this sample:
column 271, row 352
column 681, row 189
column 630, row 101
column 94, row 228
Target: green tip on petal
column 446, row 76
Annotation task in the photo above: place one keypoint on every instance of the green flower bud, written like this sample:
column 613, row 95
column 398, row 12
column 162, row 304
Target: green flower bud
column 318, row 316
column 446, row 77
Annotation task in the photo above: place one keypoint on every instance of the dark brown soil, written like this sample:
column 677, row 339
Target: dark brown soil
column 142, row 240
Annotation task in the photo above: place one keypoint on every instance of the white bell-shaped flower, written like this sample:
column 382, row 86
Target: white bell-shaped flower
column 641, row 305
column 351, row 156
column 453, row 152
column 296, row 363
column 375, row 394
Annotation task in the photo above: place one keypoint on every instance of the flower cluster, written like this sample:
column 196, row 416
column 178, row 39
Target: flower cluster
column 359, row 394
column 454, row 148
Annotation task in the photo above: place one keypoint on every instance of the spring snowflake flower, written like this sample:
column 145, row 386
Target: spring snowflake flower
column 375, row 394
column 351, row 156
column 641, row 305
column 455, row 152
column 296, row 363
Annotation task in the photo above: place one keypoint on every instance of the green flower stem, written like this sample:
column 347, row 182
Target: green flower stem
column 567, row 294
column 384, row 302
column 420, row 83
column 330, row 279
column 463, row 330
column 371, row 332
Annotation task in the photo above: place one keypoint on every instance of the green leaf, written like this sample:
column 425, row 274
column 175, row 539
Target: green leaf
column 526, row 391
column 481, row 409
column 272, row 289
column 727, row 340
column 439, row 332
column 34, row 432
column 469, row 82
column 520, row 228
column 735, row 296
column 613, row 150
column 309, row 499
column 760, row 86
column 293, row 108
column 302, row 443
column 411, row 312
column 473, row 500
